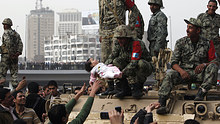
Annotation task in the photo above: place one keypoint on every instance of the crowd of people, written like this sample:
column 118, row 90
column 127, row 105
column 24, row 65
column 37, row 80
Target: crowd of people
column 51, row 66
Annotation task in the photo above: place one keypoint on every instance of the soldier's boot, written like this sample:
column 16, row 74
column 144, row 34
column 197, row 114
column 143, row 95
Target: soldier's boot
column 163, row 109
column 125, row 89
column 137, row 90
column 200, row 95
column 116, row 90
column 110, row 88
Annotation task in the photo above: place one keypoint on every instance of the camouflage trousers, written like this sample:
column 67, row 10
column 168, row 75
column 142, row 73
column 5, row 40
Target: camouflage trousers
column 12, row 65
column 135, row 75
column 207, row 78
column 106, row 48
column 217, row 49
column 155, row 47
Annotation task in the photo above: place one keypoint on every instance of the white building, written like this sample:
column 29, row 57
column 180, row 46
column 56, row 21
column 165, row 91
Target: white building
column 70, row 22
column 72, row 48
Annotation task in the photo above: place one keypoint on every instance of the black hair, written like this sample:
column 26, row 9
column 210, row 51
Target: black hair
column 191, row 121
column 52, row 83
column 214, row 1
column 88, row 67
column 78, row 88
column 3, row 92
column 45, row 87
column 14, row 94
column 56, row 113
column 19, row 121
column 33, row 87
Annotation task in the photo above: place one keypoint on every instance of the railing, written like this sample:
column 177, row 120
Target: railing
column 51, row 66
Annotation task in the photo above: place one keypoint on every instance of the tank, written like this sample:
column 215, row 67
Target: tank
column 181, row 104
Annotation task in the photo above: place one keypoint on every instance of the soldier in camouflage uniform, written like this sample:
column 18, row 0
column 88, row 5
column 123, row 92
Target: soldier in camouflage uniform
column 190, row 64
column 111, row 14
column 10, row 49
column 211, row 24
column 136, row 22
column 133, row 59
column 157, row 28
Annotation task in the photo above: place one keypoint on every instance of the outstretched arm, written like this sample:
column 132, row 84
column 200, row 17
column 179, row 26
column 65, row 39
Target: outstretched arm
column 69, row 106
column 81, row 117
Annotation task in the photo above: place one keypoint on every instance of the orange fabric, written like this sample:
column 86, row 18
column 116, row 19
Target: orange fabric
column 137, row 52
column 211, row 53
column 138, row 23
column 129, row 4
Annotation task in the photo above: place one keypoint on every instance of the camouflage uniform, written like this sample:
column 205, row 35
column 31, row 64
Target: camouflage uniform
column 136, row 21
column 210, row 29
column 111, row 14
column 188, row 57
column 11, row 44
column 133, row 60
column 157, row 32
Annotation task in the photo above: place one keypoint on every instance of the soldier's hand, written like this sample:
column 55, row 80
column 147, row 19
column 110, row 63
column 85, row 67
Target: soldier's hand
column 184, row 74
column 199, row 68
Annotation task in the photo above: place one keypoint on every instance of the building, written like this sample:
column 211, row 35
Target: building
column 76, row 40
column 70, row 23
column 40, row 24
column 72, row 48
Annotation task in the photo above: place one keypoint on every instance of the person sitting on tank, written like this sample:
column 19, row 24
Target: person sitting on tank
column 59, row 114
column 190, row 63
column 131, row 56
column 101, row 70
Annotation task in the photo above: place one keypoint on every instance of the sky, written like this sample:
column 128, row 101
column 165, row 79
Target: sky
column 176, row 11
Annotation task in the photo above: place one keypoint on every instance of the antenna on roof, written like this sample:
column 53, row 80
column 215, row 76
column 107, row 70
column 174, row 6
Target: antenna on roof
column 38, row 4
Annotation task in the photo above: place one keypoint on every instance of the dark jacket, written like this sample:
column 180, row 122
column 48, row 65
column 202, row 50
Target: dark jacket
column 144, row 117
column 6, row 117
column 37, row 103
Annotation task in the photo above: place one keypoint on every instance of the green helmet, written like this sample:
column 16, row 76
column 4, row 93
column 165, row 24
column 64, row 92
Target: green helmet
column 158, row 2
column 7, row 21
column 123, row 31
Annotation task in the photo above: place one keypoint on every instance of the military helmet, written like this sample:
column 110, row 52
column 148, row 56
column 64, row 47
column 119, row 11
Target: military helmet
column 123, row 31
column 7, row 21
column 194, row 21
column 158, row 2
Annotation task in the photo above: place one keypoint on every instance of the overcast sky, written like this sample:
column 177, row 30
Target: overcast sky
column 177, row 10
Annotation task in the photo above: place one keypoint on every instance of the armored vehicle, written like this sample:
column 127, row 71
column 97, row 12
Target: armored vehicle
column 181, row 104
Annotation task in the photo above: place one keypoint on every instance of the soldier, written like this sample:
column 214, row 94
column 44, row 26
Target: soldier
column 10, row 49
column 190, row 64
column 133, row 59
column 111, row 15
column 157, row 28
column 136, row 21
column 211, row 24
